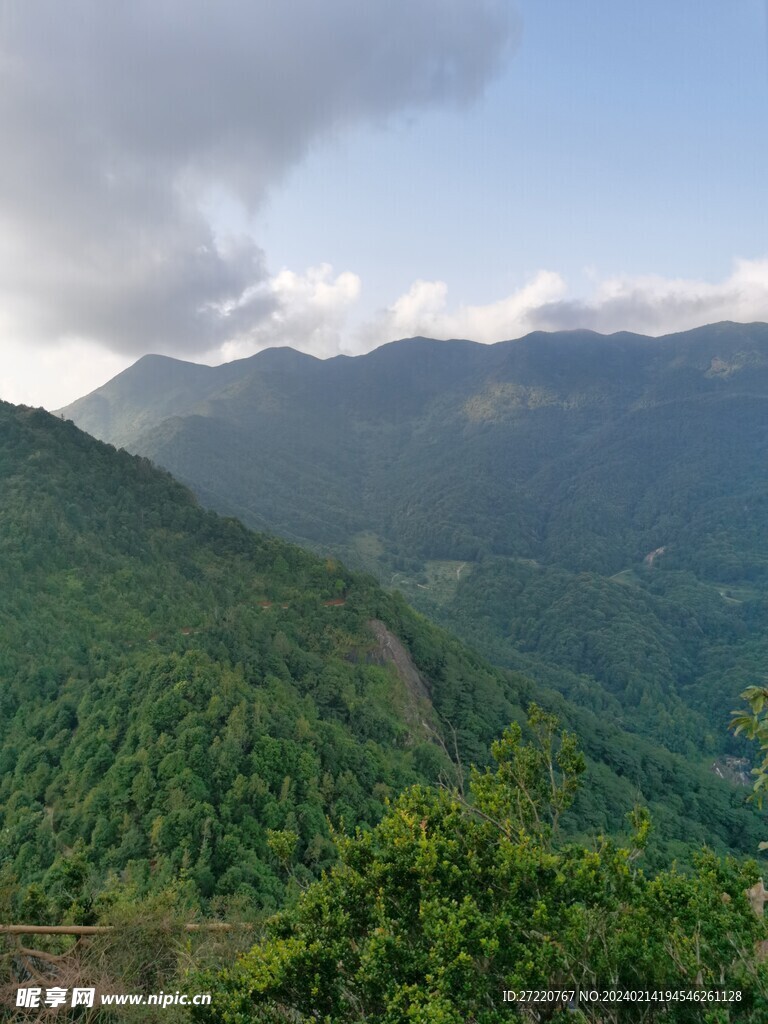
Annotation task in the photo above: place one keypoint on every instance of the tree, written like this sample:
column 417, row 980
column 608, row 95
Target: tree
column 451, row 901
column 754, row 725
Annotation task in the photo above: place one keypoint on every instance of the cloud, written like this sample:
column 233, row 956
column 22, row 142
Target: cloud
column 316, row 311
column 644, row 304
column 422, row 311
column 120, row 121
column 308, row 311
column 656, row 305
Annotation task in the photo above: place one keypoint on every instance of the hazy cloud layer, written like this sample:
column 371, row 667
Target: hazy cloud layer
column 316, row 313
column 656, row 305
column 647, row 305
column 121, row 122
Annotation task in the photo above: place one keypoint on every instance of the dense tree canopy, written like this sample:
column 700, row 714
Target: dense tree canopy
column 178, row 691
column 451, row 902
column 589, row 510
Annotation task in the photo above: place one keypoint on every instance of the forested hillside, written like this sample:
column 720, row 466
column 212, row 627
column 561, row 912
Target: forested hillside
column 591, row 451
column 591, row 510
column 180, row 695
column 177, row 689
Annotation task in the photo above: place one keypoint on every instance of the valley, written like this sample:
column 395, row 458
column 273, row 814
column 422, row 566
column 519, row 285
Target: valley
column 202, row 718
column 507, row 491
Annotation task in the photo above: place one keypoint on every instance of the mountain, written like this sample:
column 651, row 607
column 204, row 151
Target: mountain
column 182, row 698
column 158, row 387
column 174, row 686
column 590, row 510
column 583, row 443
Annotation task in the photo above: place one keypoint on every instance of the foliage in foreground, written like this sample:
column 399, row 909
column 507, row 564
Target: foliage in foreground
column 449, row 901
column 754, row 724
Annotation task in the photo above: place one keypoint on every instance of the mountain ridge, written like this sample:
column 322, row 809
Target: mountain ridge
column 575, row 451
column 270, row 359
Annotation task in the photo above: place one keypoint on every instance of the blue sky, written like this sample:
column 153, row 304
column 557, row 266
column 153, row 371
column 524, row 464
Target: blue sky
column 621, row 138
column 207, row 181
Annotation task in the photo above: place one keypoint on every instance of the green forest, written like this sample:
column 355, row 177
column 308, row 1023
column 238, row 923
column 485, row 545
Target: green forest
column 450, row 904
column 199, row 723
column 590, row 511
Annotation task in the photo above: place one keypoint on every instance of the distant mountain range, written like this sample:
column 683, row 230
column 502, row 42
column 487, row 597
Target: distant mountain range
column 592, row 510
column 585, row 450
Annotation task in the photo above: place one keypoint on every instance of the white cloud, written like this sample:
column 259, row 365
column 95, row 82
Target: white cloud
column 309, row 312
column 645, row 304
column 422, row 310
column 657, row 305
column 316, row 312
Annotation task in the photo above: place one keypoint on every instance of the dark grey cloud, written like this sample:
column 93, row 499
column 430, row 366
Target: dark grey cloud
column 639, row 309
column 119, row 119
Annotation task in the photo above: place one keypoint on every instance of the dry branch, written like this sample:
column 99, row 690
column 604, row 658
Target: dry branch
column 103, row 929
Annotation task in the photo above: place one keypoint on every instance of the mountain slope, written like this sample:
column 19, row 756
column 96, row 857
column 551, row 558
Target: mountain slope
column 177, row 691
column 571, row 448
column 561, row 472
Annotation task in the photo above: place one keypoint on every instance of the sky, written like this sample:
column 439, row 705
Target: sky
column 207, row 178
